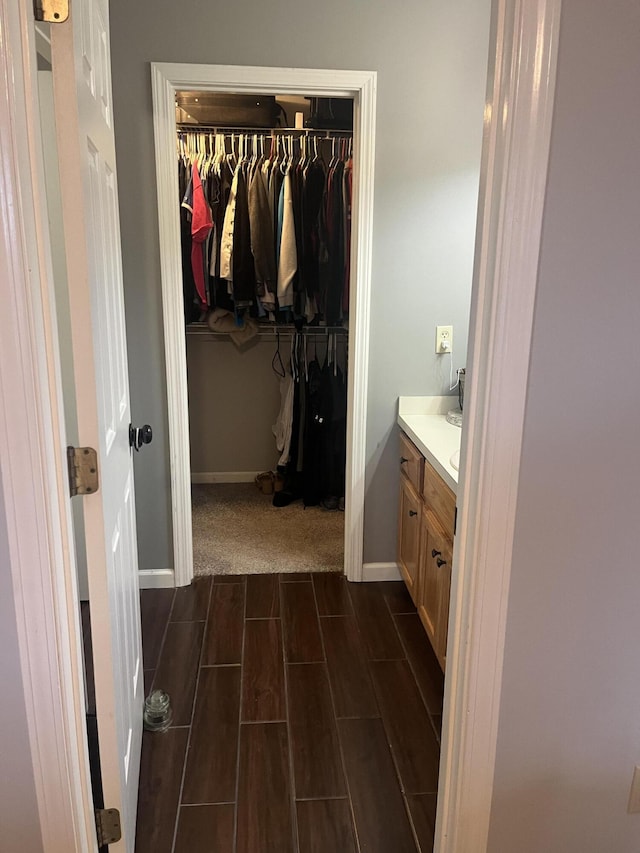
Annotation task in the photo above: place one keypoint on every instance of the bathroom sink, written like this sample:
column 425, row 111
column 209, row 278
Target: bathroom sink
column 455, row 460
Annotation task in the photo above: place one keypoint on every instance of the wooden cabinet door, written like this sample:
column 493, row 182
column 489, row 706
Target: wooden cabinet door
column 428, row 591
column 409, row 534
column 441, row 553
column 434, row 584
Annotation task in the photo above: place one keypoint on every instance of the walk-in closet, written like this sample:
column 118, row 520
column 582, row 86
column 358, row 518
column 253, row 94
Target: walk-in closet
column 265, row 186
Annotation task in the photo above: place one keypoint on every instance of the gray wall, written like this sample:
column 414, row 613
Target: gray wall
column 569, row 732
column 234, row 399
column 431, row 60
column 19, row 818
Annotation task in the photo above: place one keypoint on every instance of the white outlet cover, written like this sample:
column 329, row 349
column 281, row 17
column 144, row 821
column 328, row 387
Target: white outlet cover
column 444, row 339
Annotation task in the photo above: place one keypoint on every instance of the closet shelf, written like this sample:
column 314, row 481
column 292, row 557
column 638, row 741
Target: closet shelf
column 265, row 131
column 203, row 330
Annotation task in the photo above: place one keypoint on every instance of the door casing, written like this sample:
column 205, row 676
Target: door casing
column 166, row 79
column 523, row 51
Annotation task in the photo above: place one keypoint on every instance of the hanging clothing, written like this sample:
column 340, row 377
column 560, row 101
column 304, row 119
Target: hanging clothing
column 311, row 206
column 266, row 237
column 226, row 241
column 347, row 196
column 262, row 245
column 244, row 273
column 201, row 224
column 282, row 429
column 335, row 245
column 192, row 310
column 287, row 255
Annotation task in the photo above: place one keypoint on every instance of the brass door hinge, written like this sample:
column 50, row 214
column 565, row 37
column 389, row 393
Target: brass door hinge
column 83, row 470
column 108, row 827
column 51, row 11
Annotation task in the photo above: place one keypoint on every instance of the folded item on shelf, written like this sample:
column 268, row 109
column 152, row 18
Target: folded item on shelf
column 240, row 330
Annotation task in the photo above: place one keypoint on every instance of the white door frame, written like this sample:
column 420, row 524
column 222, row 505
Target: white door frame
column 523, row 52
column 166, row 79
column 515, row 153
column 33, row 478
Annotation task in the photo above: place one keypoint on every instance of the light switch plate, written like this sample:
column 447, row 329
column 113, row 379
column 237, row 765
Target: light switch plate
column 444, row 339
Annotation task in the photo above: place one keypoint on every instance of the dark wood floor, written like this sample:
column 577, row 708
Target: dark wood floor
column 306, row 718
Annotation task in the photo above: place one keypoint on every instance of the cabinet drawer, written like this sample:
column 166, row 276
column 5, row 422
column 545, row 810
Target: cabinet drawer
column 411, row 462
column 439, row 498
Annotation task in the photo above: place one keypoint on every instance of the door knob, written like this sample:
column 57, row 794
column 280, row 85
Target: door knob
column 412, row 512
column 435, row 553
column 139, row 436
column 440, row 563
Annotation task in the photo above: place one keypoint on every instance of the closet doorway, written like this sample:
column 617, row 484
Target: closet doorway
column 224, row 397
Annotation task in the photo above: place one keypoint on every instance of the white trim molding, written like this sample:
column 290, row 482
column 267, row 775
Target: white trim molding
column 33, row 478
column 520, row 95
column 381, row 572
column 224, row 476
column 166, row 79
column 156, row 578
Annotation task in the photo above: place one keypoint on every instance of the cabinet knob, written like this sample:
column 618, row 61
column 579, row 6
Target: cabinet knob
column 440, row 563
column 412, row 512
column 403, row 459
column 435, row 553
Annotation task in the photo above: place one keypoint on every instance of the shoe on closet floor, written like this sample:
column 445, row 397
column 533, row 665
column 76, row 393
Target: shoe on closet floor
column 265, row 482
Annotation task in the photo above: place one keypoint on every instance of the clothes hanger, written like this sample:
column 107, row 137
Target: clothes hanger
column 276, row 362
column 306, row 361
column 294, row 357
column 231, row 156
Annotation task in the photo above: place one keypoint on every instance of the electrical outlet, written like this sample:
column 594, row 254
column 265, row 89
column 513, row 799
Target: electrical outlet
column 444, row 339
column 634, row 796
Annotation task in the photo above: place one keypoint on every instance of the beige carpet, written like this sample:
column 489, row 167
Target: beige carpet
column 237, row 531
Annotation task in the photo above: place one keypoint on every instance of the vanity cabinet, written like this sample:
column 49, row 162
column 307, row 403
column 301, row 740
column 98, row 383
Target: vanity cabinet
column 425, row 542
column 409, row 531
column 434, row 583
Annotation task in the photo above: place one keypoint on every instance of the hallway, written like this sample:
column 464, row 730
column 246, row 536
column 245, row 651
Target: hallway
column 287, row 692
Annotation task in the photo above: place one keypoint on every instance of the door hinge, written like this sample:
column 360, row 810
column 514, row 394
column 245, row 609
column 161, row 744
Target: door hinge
column 83, row 470
column 51, row 11
column 108, row 826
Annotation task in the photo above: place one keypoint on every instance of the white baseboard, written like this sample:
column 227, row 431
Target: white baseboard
column 381, row 572
column 156, row 579
column 224, row 477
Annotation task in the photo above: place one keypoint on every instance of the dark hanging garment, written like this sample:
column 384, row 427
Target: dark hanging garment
column 275, row 184
column 244, row 274
column 348, row 194
column 314, row 436
column 191, row 302
column 337, row 436
column 262, row 242
column 313, row 194
column 191, row 307
column 297, row 182
column 335, row 246
column 218, row 286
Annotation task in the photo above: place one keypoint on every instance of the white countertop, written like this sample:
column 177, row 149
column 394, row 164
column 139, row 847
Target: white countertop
column 424, row 421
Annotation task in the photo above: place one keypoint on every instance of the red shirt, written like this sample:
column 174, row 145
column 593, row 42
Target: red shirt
column 201, row 224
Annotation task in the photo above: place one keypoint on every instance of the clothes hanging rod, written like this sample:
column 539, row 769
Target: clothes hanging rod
column 264, row 131
column 203, row 329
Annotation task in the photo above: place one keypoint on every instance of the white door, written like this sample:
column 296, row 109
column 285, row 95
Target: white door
column 84, row 127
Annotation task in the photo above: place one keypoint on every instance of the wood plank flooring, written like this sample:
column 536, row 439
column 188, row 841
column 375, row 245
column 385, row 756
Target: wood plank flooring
column 306, row 718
